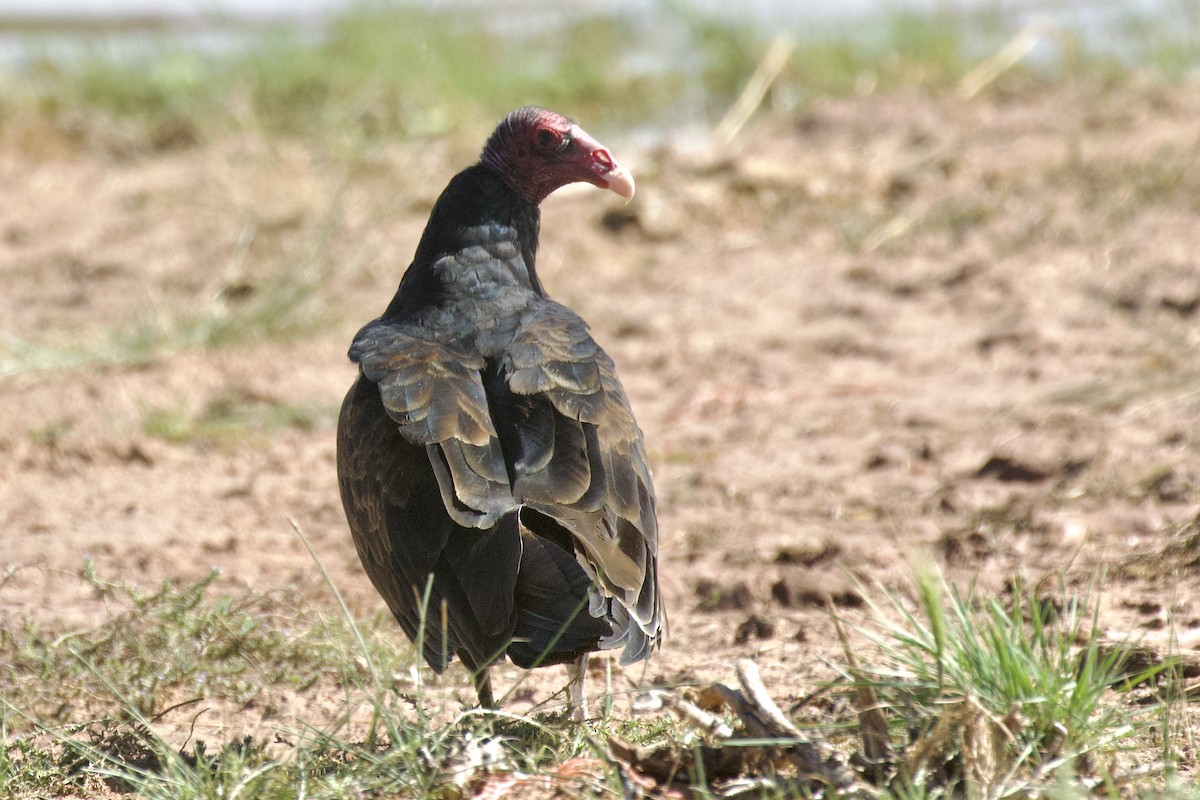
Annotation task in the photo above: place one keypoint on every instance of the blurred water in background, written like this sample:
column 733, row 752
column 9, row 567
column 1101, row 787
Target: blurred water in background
column 62, row 29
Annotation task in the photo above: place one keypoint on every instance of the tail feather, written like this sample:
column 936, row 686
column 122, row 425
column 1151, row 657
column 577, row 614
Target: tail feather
column 554, row 625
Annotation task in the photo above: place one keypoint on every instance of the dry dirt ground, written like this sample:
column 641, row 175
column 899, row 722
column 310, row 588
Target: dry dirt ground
column 886, row 328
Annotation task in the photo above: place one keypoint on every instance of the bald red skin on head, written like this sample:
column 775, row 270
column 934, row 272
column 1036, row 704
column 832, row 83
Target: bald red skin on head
column 537, row 151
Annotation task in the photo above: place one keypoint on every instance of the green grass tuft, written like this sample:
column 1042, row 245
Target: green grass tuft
column 1000, row 695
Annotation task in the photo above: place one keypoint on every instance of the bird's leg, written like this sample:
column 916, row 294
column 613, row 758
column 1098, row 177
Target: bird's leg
column 483, row 687
column 577, row 688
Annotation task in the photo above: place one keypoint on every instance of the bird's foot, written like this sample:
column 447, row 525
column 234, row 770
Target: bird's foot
column 577, row 689
column 483, row 688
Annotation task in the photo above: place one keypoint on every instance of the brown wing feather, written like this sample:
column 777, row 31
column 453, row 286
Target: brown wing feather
column 379, row 472
column 435, row 393
column 597, row 485
column 427, row 495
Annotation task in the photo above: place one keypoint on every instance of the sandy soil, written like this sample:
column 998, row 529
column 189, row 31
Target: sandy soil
column 887, row 328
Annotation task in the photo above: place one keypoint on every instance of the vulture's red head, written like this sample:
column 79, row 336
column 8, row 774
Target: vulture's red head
column 537, row 151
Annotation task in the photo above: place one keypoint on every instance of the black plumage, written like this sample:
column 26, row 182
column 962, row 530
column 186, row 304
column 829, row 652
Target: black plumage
column 494, row 479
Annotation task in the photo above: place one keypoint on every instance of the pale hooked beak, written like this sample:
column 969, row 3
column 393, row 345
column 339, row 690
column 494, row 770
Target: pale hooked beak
column 620, row 181
column 605, row 171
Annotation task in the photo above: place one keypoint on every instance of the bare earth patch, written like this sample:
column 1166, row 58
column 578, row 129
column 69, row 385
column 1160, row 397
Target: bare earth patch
column 894, row 327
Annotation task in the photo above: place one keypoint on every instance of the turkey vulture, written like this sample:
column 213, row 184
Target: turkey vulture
column 494, row 479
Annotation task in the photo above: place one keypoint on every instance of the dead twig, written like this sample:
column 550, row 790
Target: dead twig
column 813, row 759
column 671, row 764
column 709, row 723
column 768, row 751
column 764, row 706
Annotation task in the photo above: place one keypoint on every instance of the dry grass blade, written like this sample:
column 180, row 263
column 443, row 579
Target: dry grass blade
column 1002, row 60
column 872, row 724
column 768, row 69
column 967, row 731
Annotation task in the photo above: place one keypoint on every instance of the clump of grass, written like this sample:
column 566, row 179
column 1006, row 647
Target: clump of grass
column 1001, row 696
column 408, row 758
column 29, row 768
column 178, row 644
column 172, row 643
column 111, row 684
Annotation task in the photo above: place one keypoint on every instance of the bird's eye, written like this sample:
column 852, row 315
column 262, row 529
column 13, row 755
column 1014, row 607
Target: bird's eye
column 546, row 138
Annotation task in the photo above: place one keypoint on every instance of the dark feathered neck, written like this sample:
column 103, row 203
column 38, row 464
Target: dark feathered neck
column 477, row 205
